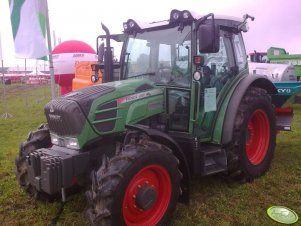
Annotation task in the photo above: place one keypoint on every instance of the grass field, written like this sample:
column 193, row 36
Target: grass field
column 214, row 201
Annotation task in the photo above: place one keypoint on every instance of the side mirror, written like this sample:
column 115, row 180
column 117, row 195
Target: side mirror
column 208, row 38
column 101, row 52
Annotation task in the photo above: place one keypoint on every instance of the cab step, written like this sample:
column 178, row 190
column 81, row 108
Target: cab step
column 213, row 160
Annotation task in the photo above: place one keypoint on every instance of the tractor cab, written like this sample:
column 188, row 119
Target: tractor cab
column 191, row 57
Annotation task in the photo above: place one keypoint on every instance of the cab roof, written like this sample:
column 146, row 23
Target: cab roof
column 185, row 17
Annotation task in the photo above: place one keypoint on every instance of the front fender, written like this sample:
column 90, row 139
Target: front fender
column 223, row 128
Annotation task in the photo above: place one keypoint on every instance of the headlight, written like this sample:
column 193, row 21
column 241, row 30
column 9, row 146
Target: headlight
column 186, row 14
column 125, row 26
column 131, row 24
column 176, row 15
column 71, row 143
column 55, row 139
column 68, row 142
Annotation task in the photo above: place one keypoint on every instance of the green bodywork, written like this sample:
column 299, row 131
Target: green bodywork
column 212, row 122
column 280, row 56
column 132, row 107
column 223, row 103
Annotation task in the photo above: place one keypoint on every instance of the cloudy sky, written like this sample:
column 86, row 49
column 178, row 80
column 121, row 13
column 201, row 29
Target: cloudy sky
column 277, row 22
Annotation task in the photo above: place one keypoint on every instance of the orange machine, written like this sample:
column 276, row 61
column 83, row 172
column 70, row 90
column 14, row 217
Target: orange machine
column 83, row 74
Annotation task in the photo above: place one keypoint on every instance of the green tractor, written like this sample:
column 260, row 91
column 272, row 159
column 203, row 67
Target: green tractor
column 184, row 105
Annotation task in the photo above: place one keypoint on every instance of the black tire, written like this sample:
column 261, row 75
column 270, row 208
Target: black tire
column 35, row 140
column 113, row 199
column 254, row 136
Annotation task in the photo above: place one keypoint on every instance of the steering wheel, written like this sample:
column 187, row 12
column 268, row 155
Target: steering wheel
column 165, row 73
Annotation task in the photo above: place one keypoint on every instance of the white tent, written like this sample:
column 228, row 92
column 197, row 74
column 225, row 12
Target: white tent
column 37, row 72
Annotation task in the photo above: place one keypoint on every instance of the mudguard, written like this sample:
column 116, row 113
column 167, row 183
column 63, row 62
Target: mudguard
column 223, row 128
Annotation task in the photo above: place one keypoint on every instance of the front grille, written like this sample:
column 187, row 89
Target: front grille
column 64, row 117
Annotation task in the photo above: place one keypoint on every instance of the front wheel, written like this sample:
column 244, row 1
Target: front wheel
column 35, row 140
column 254, row 136
column 140, row 186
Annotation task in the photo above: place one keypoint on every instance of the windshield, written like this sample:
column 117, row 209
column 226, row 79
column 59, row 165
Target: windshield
column 163, row 56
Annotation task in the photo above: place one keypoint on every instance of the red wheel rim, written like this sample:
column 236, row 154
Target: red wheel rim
column 258, row 137
column 157, row 178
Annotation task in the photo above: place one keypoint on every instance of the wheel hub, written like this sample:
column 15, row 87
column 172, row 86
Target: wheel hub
column 146, row 197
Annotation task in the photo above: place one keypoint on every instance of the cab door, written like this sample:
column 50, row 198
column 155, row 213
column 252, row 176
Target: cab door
column 218, row 70
column 178, row 90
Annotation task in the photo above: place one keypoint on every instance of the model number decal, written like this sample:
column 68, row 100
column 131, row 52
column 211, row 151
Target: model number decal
column 138, row 96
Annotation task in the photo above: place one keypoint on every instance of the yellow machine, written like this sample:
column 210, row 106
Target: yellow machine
column 83, row 74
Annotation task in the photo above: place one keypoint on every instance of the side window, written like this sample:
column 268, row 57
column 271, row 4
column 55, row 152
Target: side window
column 137, row 63
column 240, row 53
column 217, row 66
column 182, row 58
column 164, row 55
column 178, row 109
column 217, row 61
column 174, row 64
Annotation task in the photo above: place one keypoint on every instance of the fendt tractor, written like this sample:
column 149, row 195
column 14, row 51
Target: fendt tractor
column 184, row 105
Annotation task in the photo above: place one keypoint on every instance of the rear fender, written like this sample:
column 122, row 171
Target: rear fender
column 165, row 139
column 223, row 129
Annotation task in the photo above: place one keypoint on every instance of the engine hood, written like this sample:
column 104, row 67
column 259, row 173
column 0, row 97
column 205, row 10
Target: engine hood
column 68, row 115
column 131, row 86
column 131, row 101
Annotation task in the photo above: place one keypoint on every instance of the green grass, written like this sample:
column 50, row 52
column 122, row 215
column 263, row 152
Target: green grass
column 214, row 201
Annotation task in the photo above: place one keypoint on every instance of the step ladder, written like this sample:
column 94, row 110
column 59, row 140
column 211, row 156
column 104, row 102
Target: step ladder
column 213, row 159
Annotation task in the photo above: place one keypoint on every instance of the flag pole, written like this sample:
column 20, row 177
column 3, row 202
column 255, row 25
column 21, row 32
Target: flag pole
column 51, row 70
column 6, row 114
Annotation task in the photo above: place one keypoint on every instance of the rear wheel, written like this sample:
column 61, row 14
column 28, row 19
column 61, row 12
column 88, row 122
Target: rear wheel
column 35, row 140
column 254, row 136
column 139, row 186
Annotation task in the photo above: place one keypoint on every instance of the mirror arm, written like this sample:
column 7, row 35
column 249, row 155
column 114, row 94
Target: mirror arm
column 245, row 17
column 203, row 19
